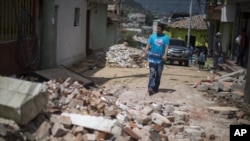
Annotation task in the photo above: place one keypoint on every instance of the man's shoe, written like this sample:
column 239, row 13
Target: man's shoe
column 151, row 92
column 156, row 91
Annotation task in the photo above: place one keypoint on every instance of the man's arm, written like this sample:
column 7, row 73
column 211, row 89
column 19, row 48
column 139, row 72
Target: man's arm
column 147, row 48
column 166, row 53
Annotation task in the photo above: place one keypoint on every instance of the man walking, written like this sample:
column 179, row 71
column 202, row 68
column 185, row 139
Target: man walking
column 156, row 50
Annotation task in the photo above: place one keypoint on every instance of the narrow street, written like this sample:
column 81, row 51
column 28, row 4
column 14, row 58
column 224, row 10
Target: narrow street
column 129, row 85
column 191, row 105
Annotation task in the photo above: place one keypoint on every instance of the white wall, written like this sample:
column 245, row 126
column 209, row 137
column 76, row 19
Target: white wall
column 225, row 36
column 98, row 27
column 70, row 39
column 101, row 34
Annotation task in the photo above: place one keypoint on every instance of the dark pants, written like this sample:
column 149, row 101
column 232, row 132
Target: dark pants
column 241, row 57
column 155, row 76
column 215, row 60
column 201, row 65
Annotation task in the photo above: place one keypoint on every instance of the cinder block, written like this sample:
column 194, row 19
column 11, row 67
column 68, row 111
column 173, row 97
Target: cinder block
column 21, row 100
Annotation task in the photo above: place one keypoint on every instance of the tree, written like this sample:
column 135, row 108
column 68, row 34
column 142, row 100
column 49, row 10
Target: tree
column 149, row 18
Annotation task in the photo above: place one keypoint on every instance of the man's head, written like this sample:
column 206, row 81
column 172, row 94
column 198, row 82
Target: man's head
column 160, row 29
column 218, row 34
column 243, row 31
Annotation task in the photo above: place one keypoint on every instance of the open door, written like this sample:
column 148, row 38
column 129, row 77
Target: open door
column 88, row 50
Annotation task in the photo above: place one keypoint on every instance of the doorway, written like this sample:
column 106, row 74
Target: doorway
column 88, row 49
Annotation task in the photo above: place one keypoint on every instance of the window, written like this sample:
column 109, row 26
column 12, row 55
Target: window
column 77, row 17
column 16, row 16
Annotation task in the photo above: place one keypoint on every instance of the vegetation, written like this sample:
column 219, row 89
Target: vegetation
column 127, row 36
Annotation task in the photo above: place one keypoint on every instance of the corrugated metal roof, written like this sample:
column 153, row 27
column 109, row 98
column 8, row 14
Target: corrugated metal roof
column 197, row 22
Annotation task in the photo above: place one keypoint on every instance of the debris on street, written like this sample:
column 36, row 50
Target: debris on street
column 77, row 113
column 226, row 89
column 121, row 55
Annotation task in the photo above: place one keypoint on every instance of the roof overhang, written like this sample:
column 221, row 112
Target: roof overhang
column 102, row 1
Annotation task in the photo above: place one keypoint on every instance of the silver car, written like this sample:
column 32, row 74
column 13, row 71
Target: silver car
column 178, row 51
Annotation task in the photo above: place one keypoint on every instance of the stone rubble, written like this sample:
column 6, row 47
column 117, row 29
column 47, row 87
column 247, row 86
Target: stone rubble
column 95, row 114
column 226, row 89
column 121, row 55
column 77, row 113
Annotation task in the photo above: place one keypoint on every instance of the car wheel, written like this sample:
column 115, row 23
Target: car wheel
column 186, row 63
column 171, row 62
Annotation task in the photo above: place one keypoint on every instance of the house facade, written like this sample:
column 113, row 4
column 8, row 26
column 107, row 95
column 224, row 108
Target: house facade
column 137, row 17
column 19, row 51
column 41, row 34
column 227, row 17
column 198, row 32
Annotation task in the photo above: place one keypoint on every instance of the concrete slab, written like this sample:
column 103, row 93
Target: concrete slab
column 64, row 73
column 21, row 100
column 95, row 123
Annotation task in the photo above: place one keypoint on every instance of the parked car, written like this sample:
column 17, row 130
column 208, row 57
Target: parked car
column 178, row 51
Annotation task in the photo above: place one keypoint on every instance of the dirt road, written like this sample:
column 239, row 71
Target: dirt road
column 130, row 86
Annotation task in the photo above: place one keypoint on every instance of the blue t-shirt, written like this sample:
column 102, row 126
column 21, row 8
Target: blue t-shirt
column 157, row 48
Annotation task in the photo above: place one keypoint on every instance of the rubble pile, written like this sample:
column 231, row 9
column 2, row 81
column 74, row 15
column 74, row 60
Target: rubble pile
column 120, row 55
column 79, row 114
column 226, row 89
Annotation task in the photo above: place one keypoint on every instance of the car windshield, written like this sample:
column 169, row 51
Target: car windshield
column 177, row 42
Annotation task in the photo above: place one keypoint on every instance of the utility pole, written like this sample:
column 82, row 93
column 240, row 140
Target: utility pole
column 190, row 22
column 247, row 88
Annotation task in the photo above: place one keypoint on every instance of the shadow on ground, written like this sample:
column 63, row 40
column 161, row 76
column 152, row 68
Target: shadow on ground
column 167, row 90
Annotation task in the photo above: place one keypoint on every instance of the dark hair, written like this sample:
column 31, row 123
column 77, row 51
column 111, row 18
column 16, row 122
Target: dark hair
column 162, row 26
column 243, row 30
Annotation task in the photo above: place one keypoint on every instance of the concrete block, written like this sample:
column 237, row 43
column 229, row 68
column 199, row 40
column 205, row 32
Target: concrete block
column 95, row 123
column 21, row 100
column 202, row 88
column 43, row 131
column 65, row 121
column 147, row 110
column 244, row 122
column 181, row 116
column 223, row 94
column 109, row 111
column 68, row 137
column 100, row 135
column 226, row 79
column 225, row 86
column 167, row 109
column 144, row 120
column 214, row 87
column 177, row 128
column 238, row 87
column 157, row 128
column 237, row 95
column 91, row 137
column 58, row 130
column 223, row 110
column 194, row 133
column 75, row 102
column 121, row 138
column 160, row 120
column 131, row 133
column 77, row 130
column 3, row 130
column 54, row 118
